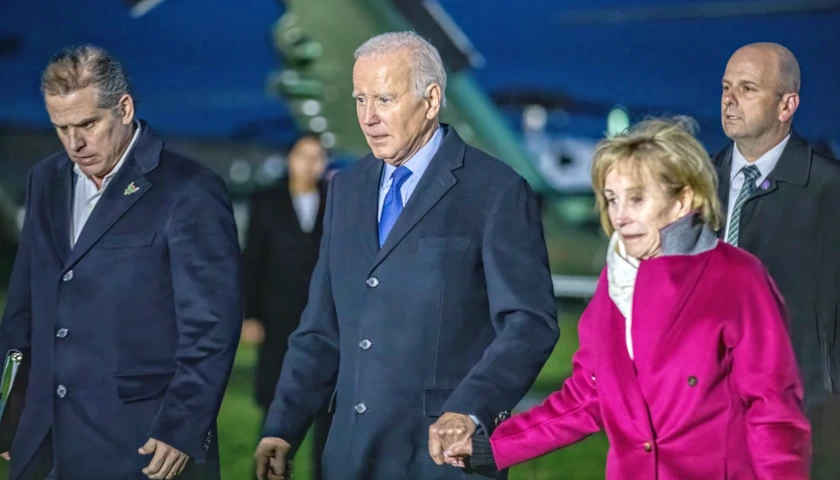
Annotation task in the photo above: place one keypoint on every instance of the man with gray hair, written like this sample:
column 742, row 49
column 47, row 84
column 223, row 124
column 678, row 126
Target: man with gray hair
column 124, row 296
column 431, row 309
column 781, row 199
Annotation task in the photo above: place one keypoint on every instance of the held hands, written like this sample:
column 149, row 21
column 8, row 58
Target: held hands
column 271, row 459
column 451, row 430
column 456, row 454
column 167, row 462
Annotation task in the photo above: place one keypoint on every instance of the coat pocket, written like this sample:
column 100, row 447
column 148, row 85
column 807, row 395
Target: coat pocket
column 433, row 400
column 139, row 387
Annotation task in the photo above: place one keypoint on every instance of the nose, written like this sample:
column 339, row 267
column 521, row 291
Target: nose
column 728, row 98
column 621, row 218
column 369, row 116
column 76, row 140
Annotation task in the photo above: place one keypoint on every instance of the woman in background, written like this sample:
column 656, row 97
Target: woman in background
column 685, row 359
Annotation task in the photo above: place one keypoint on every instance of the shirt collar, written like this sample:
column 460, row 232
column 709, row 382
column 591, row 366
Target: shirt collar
column 116, row 168
column 765, row 163
column 420, row 161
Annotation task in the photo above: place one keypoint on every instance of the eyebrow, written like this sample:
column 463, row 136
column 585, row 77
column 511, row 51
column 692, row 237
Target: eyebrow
column 740, row 82
column 80, row 123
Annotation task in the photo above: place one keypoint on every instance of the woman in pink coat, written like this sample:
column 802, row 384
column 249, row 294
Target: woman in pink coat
column 684, row 359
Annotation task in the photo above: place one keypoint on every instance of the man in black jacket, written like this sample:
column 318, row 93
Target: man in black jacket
column 780, row 198
column 281, row 248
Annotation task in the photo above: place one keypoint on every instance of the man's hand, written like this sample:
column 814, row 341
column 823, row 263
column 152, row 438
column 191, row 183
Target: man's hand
column 271, row 459
column 448, row 430
column 167, row 462
column 253, row 332
column 5, row 456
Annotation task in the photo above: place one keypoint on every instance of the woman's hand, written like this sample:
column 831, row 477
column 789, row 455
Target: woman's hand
column 456, row 453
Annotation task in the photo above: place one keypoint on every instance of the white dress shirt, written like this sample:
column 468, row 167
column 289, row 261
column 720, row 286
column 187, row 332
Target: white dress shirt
column 765, row 163
column 306, row 207
column 417, row 164
column 86, row 194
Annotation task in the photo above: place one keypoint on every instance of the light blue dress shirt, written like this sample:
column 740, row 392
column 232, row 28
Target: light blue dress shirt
column 417, row 164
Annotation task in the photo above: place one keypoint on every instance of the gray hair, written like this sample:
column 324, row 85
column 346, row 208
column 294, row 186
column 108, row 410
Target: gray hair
column 789, row 74
column 78, row 67
column 426, row 64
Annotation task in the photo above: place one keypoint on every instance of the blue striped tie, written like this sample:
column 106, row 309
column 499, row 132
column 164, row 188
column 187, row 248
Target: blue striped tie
column 392, row 206
column 751, row 174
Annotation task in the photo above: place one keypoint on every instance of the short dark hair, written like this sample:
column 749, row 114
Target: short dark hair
column 307, row 135
column 78, row 67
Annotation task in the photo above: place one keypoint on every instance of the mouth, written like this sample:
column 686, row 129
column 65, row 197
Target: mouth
column 631, row 238
column 377, row 138
column 86, row 160
column 731, row 117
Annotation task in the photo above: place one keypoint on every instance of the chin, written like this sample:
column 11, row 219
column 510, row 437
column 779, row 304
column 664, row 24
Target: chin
column 379, row 152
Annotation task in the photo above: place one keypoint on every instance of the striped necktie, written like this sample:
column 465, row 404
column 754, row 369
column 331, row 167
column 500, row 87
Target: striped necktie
column 751, row 174
column 392, row 205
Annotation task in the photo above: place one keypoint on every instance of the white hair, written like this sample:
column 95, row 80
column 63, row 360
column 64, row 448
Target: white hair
column 426, row 64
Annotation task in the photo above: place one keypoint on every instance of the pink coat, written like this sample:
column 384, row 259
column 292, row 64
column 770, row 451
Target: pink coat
column 713, row 393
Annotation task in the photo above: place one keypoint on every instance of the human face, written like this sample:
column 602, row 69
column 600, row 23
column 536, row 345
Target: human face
column 639, row 207
column 94, row 137
column 751, row 105
column 307, row 161
column 396, row 123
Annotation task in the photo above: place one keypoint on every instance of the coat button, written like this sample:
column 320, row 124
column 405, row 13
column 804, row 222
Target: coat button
column 648, row 447
column 692, row 381
column 364, row 344
column 372, row 282
column 68, row 276
column 361, row 407
column 61, row 391
column 61, row 333
column 593, row 377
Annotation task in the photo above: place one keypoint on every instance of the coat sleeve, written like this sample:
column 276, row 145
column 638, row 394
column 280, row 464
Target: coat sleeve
column 522, row 308
column 828, row 308
column 565, row 417
column 311, row 363
column 204, row 263
column 16, row 326
column 767, row 379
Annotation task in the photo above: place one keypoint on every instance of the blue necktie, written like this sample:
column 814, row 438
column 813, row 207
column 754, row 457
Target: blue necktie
column 392, row 205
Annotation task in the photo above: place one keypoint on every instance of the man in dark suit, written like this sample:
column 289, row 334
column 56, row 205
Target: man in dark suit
column 431, row 308
column 281, row 248
column 124, row 293
column 781, row 198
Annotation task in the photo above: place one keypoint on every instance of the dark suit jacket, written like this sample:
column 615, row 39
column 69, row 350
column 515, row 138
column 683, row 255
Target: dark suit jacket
column 455, row 313
column 131, row 333
column 276, row 267
column 792, row 227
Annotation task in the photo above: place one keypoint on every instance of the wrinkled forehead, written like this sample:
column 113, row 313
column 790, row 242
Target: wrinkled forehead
column 75, row 108
column 385, row 72
column 752, row 65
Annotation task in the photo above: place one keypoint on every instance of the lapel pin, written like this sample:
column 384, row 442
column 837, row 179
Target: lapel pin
column 131, row 188
column 765, row 185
